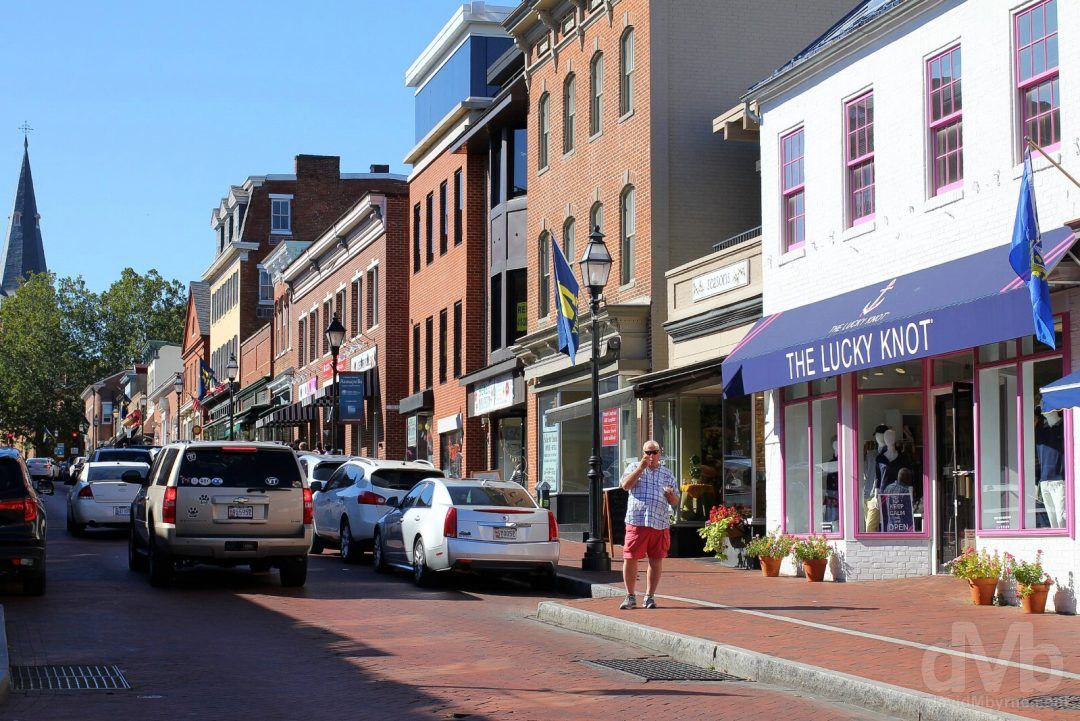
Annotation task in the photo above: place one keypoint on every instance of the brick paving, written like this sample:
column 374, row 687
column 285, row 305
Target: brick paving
column 226, row 644
column 932, row 611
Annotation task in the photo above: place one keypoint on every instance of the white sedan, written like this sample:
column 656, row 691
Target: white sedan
column 102, row 497
column 444, row 524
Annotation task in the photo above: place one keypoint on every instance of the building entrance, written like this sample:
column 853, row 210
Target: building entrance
column 955, row 466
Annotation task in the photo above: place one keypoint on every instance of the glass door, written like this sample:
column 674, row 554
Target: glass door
column 955, row 454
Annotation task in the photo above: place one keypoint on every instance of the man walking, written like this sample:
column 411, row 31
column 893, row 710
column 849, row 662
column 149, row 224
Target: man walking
column 652, row 493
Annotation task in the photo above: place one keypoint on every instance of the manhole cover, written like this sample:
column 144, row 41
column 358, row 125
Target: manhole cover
column 67, row 678
column 1062, row 702
column 654, row 669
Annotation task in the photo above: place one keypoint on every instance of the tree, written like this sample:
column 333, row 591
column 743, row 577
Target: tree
column 134, row 309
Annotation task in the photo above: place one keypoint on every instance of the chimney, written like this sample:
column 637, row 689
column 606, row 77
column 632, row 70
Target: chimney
column 318, row 166
column 377, row 168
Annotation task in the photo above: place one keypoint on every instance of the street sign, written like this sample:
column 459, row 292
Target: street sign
column 59, row 450
column 196, row 431
column 351, row 400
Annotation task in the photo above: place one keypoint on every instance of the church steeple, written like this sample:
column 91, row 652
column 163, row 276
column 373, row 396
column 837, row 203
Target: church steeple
column 24, row 252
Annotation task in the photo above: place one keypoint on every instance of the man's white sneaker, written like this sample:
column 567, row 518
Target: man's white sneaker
column 628, row 603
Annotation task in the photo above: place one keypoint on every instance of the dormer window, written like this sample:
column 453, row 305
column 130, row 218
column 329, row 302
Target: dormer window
column 281, row 214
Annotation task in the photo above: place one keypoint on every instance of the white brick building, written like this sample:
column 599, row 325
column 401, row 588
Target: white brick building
column 863, row 113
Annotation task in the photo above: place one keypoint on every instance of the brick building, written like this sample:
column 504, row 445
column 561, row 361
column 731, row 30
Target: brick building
column 256, row 370
column 448, row 214
column 194, row 347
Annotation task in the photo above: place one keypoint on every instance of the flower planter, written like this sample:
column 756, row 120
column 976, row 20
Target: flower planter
column 734, row 532
column 770, row 567
column 982, row 590
column 1035, row 602
column 815, row 569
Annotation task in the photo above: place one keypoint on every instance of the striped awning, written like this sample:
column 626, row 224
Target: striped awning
column 291, row 415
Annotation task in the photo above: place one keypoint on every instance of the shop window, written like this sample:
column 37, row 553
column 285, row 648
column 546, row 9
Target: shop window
column 418, row 438
column 547, row 470
column 509, row 445
column 812, row 388
column 738, row 434
column 952, row 369
column 894, row 375
column 890, row 474
column 450, row 453
column 993, row 352
column 811, row 466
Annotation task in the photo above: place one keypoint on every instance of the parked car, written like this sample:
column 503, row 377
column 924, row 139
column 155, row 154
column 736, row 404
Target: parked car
column 102, row 497
column 319, row 468
column 444, row 524
column 136, row 455
column 22, row 526
column 42, row 472
column 355, row 497
column 222, row 503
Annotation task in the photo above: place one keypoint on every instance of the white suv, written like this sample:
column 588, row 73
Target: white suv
column 351, row 502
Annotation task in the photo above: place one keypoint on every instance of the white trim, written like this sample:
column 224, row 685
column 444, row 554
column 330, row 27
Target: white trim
column 280, row 196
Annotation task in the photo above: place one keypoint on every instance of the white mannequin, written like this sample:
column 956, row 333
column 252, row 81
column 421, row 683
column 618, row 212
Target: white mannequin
column 890, row 451
column 1052, row 418
column 880, row 438
column 1053, row 489
column 835, row 455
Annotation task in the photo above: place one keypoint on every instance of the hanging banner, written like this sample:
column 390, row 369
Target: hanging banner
column 609, row 427
column 351, row 402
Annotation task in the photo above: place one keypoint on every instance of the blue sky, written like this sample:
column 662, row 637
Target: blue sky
column 145, row 112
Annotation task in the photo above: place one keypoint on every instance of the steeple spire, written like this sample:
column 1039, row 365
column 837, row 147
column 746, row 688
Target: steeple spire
column 24, row 252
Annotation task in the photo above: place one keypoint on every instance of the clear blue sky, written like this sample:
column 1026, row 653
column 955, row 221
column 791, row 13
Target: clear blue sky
column 145, row 112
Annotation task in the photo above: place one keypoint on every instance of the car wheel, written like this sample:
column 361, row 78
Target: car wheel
column 160, row 565
column 294, row 572
column 317, row 544
column 422, row 575
column 34, row 585
column 75, row 529
column 378, row 554
column 350, row 549
column 136, row 561
column 262, row 566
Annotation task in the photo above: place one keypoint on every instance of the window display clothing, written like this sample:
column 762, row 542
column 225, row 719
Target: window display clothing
column 888, row 470
column 1049, row 454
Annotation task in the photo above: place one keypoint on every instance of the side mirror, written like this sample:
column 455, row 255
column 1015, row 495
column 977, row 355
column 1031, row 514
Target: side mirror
column 317, row 486
column 133, row 476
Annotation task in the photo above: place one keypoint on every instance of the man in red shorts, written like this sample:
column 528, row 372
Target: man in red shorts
column 648, row 510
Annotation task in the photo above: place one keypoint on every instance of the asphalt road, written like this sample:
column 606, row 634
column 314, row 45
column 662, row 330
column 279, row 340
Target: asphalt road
column 229, row 644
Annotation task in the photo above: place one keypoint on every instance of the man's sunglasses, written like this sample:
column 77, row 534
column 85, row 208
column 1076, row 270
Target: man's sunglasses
column 652, row 453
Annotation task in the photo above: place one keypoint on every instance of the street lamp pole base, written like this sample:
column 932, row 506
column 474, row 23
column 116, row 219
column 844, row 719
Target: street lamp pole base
column 596, row 557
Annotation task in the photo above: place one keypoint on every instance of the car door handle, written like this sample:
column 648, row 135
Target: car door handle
column 416, row 518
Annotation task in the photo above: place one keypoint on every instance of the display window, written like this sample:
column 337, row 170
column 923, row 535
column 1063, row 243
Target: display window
column 450, row 453
column 811, row 449
column 890, row 461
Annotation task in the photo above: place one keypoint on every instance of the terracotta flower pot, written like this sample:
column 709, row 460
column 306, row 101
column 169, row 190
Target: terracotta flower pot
column 982, row 590
column 770, row 567
column 815, row 569
column 1035, row 602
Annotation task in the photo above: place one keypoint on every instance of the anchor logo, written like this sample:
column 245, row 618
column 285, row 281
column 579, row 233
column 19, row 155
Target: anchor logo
column 881, row 297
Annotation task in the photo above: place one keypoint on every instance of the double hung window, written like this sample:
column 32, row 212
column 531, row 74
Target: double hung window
column 793, row 195
column 1036, row 44
column 859, row 150
column 946, row 120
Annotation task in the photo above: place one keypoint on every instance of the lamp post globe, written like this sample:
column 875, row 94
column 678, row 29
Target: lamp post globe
column 595, row 267
column 231, row 371
column 335, row 336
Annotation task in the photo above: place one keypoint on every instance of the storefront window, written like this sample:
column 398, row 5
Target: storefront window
column 418, row 438
column 953, row 368
column 738, row 430
column 548, row 443
column 896, row 375
column 665, row 432
column 450, row 453
column 811, row 465
column 1044, row 450
column 509, row 445
column 891, row 484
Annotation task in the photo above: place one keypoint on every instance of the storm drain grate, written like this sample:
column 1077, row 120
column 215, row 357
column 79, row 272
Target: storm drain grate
column 67, row 678
column 657, row 669
column 1061, row 702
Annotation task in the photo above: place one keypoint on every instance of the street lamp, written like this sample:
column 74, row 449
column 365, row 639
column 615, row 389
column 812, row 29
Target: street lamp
column 230, row 372
column 595, row 266
column 335, row 336
column 178, row 386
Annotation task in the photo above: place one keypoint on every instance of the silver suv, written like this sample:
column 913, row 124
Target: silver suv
column 222, row 503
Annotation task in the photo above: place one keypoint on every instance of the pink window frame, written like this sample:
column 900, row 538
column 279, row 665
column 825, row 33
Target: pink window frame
column 789, row 192
column 1067, row 419
column 860, row 162
column 1047, row 75
column 809, row 430
column 946, row 120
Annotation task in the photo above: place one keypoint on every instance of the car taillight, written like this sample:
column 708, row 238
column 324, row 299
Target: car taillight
column 309, row 507
column 168, row 506
column 86, row 492
column 367, row 498
column 27, row 506
column 553, row 527
column 449, row 526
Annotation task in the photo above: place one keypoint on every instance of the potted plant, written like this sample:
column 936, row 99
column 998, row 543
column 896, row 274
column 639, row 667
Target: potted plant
column 724, row 522
column 814, row 552
column 981, row 570
column 1032, row 582
column 770, row 550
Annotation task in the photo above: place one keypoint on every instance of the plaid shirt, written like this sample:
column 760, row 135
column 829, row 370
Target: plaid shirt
column 647, row 505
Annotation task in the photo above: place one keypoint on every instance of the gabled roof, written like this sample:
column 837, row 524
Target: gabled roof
column 23, row 251
column 200, row 296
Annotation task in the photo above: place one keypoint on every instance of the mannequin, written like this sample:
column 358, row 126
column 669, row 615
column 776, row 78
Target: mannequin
column 888, row 460
column 1049, row 450
column 830, row 511
column 872, row 519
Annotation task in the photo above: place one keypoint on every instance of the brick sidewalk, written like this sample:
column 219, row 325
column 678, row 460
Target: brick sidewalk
column 904, row 632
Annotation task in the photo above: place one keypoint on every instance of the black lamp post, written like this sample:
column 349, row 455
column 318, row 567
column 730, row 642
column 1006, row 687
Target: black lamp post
column 595, row 266
column 230, row 372
column 178, row 386
column 335, row 336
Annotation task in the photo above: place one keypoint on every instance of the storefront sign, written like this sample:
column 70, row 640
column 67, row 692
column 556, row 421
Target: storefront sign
column 609, row 427
column 495, row 395
column 410, row 431
column 363, row 361
column 864, row 350
column 720, row 280
column 328, row 371
column 449, row 424
column 351, row 402
column 307, row 388
column 897, row 512
column 523, row 316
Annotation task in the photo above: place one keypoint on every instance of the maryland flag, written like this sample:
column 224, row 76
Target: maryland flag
column 207, row 383
column 566, row 292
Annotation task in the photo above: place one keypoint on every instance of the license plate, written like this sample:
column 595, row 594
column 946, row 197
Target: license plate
column 121, row 511
column 505, row 534
column 241, row 512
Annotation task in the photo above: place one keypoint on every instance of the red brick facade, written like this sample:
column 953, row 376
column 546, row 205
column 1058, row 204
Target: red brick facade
column 255, row 356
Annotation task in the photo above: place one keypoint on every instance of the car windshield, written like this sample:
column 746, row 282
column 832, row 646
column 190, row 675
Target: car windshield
column 399, row 479
column 324, row 470
column 11, row 480
column 123, row 455
column 239, row 467
column 113, row 473
column 490, row 496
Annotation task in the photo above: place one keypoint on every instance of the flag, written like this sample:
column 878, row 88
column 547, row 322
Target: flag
column 1026, row 257
column 207, row 382
column 566, row 292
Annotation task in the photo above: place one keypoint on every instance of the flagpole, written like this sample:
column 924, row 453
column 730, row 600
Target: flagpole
column 1053, row 162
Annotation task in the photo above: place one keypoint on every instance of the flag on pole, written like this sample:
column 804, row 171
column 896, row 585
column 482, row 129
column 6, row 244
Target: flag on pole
column 566, row 292
column 207, row 382
column 1026, row 257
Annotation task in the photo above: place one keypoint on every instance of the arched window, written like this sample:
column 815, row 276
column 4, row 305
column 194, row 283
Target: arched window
column 596, row 217
column 569, row 245
column 596, row 94
column 627, row 234
column 569, row 111
column 544, row 130
column 626, row 72
column 544, row 288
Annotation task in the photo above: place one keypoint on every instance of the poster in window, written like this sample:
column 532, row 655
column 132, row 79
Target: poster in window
column 898, row 512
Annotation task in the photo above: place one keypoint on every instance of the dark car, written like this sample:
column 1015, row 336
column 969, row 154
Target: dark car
column 22, row 526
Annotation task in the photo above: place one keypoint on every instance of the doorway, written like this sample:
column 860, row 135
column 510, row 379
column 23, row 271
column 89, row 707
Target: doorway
column 954, row 423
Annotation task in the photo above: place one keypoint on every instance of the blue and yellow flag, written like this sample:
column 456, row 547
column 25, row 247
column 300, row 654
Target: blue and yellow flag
column 566, row 291
column 1026, row 257
column 207, row 381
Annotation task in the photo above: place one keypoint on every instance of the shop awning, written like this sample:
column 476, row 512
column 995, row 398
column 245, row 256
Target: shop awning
column 581, row 409
column 702, row 373
column 294, row 414
column 960, row 304
column 1062, row 394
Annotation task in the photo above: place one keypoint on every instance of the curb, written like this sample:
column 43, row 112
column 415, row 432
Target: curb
column 583, row 588
column 871, row 695
column 5, row 668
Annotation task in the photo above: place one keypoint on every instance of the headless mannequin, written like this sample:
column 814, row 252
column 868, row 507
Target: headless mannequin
column 830, row 513
column 872, row 520
column 1049, row 448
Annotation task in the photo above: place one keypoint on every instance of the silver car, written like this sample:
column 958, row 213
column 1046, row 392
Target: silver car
column 102, row 496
